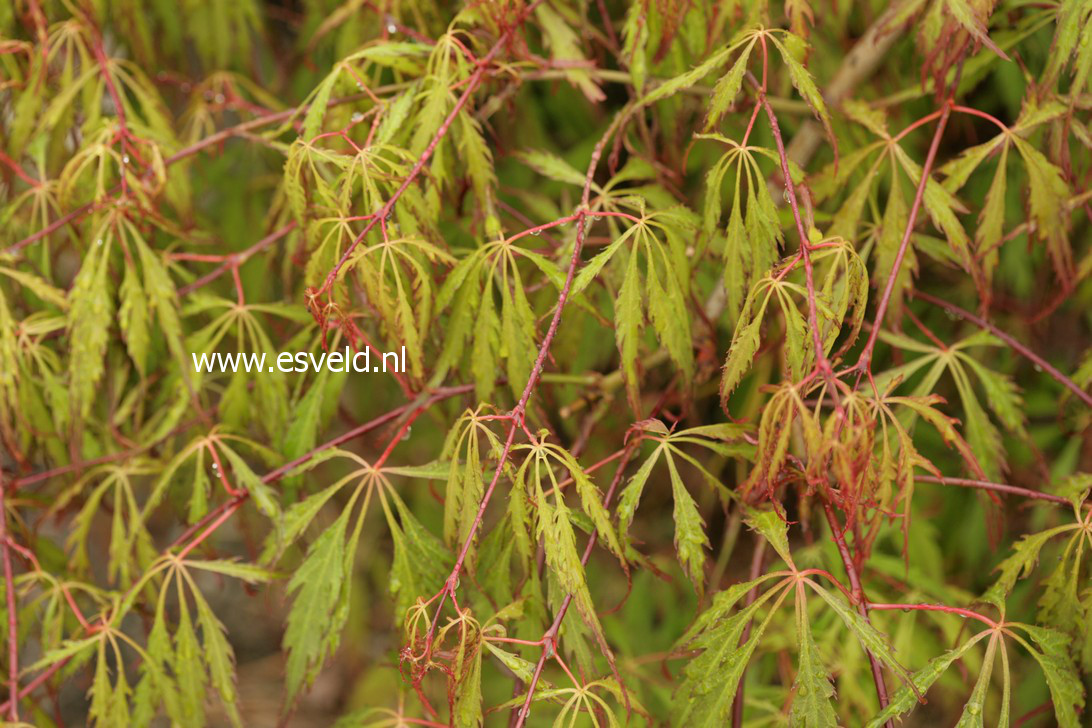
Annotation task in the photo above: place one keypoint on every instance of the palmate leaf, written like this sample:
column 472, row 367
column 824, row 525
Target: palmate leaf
column 90, row 312
column 811, row 706
column 871, row 639
column 554, row 528
column 906, row 699
column 792, row 48
column 1021, row 563
column 420, row 560
column 708, row 690
column 465, row 486
column 745, row 340
column 320, row 605
column 565, row 48
column 1062, row 678
column 690, row 538
column 1002, row 396
column 663, row 291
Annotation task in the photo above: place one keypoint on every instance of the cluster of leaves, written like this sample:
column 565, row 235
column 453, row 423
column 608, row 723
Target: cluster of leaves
column 701, row 306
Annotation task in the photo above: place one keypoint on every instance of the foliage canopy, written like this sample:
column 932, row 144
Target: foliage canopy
column 746, row 374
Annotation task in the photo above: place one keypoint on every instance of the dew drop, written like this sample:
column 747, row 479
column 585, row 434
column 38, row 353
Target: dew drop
column 359, row 85
column 407, row 435
column 392, row 28
column 785, row 195
column 802, row 690
column 1038, row 368
column 906, row 610
column 536, row 233
column 973, row 709
column 98, row 242
column 357, row 117
column 125, row 159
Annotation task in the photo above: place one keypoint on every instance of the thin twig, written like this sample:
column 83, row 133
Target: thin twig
column 473, row 82
column 1013, row 343
column 549, row 639
column 864, row 363
column 998, row 488
column 13, row 626
column 859, row 602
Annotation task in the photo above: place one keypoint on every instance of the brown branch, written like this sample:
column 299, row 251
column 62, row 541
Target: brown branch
column 13, row 626
column 998, row 488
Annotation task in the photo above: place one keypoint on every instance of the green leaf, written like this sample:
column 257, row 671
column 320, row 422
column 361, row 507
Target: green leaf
column 219, row 658
column 708, row 689
column 1066, row 689
column 420, row 560
column 745, row 343
column 189, row 669
column 627, row 328
column 811, row 706
column 774, row 529
column 550, row 165
column 262, row 494
column 1047, row 192
column 90, row 311
column 1025, row 555
column 870, row 638
column 321, row 589
column 905, row 699
column 688, row 79
column 727, row 88
column 690, row 538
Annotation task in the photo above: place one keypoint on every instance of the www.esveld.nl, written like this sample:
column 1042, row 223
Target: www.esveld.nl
column 301, row 361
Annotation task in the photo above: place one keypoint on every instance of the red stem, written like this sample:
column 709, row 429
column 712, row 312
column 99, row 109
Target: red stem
column 864, row 363
column 472, row 85
column 934, row 608
column 858, row 602
column 518, row 412
column 813, row 317
column 18, row 170
column 232, row 262
column 549, row 638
